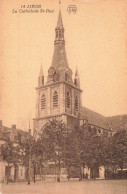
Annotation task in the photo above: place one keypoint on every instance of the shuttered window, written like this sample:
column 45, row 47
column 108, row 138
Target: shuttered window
column 55, row 99
column 76, row 103
column 43, row 102
column 68, row 100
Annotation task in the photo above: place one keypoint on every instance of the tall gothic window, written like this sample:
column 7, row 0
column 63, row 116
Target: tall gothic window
column 68, row 100
column 43, row 102
column 76, row 103
column 55, row 99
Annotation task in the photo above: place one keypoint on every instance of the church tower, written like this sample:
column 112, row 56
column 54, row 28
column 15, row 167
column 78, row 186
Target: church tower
column 59, row 97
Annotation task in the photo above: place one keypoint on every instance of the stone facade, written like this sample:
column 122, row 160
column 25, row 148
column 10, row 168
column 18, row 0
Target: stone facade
column 60, row 96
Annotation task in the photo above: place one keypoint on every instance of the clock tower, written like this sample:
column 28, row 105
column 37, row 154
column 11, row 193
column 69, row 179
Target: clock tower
column 59, row 97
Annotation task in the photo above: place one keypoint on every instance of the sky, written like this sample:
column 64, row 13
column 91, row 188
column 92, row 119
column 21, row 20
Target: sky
column 96, row 42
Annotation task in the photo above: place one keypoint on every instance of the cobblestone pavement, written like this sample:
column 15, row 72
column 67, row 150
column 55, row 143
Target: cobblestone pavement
column 72, row 187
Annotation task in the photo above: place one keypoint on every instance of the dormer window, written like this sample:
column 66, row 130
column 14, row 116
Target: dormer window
column 43, row 102
column 55, row 99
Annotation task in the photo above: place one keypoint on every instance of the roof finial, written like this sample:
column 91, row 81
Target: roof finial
column 59, row 4
column 76, row 72
column 41, row 69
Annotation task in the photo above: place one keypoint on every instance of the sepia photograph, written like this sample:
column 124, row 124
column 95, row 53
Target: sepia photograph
column 63, row 97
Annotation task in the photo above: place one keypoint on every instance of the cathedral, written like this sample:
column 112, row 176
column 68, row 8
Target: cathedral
column 60, row 96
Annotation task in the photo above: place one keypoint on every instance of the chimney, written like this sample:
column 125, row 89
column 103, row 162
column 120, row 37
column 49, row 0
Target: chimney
column 13, row 126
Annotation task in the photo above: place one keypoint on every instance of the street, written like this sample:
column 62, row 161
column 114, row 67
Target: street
column 72, row 187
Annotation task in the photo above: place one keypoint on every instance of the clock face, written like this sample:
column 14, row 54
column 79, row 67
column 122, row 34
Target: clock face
column 51, row 71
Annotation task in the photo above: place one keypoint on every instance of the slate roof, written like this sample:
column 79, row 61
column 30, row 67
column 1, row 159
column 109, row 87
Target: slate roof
column 96, row 118
column 118, row 122
column 59, row 60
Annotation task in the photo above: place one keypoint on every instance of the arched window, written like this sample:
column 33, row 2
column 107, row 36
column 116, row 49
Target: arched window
column 55, row 99
column 43, row 102
column 68, row 100
column 76, row 103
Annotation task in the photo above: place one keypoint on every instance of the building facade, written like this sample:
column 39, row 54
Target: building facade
column 60, row 96
column 8, row 171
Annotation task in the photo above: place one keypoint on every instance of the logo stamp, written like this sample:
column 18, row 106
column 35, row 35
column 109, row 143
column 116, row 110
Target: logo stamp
column 72, row 9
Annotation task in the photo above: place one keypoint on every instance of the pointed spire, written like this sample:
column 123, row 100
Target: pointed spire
column 59, row 29
column 41, row 70
column 59, row 60
column 41, row 77
column 77, row 78
column 76, row 72
column 59, row 21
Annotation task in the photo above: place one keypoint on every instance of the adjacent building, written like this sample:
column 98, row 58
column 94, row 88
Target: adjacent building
column 15, row 135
